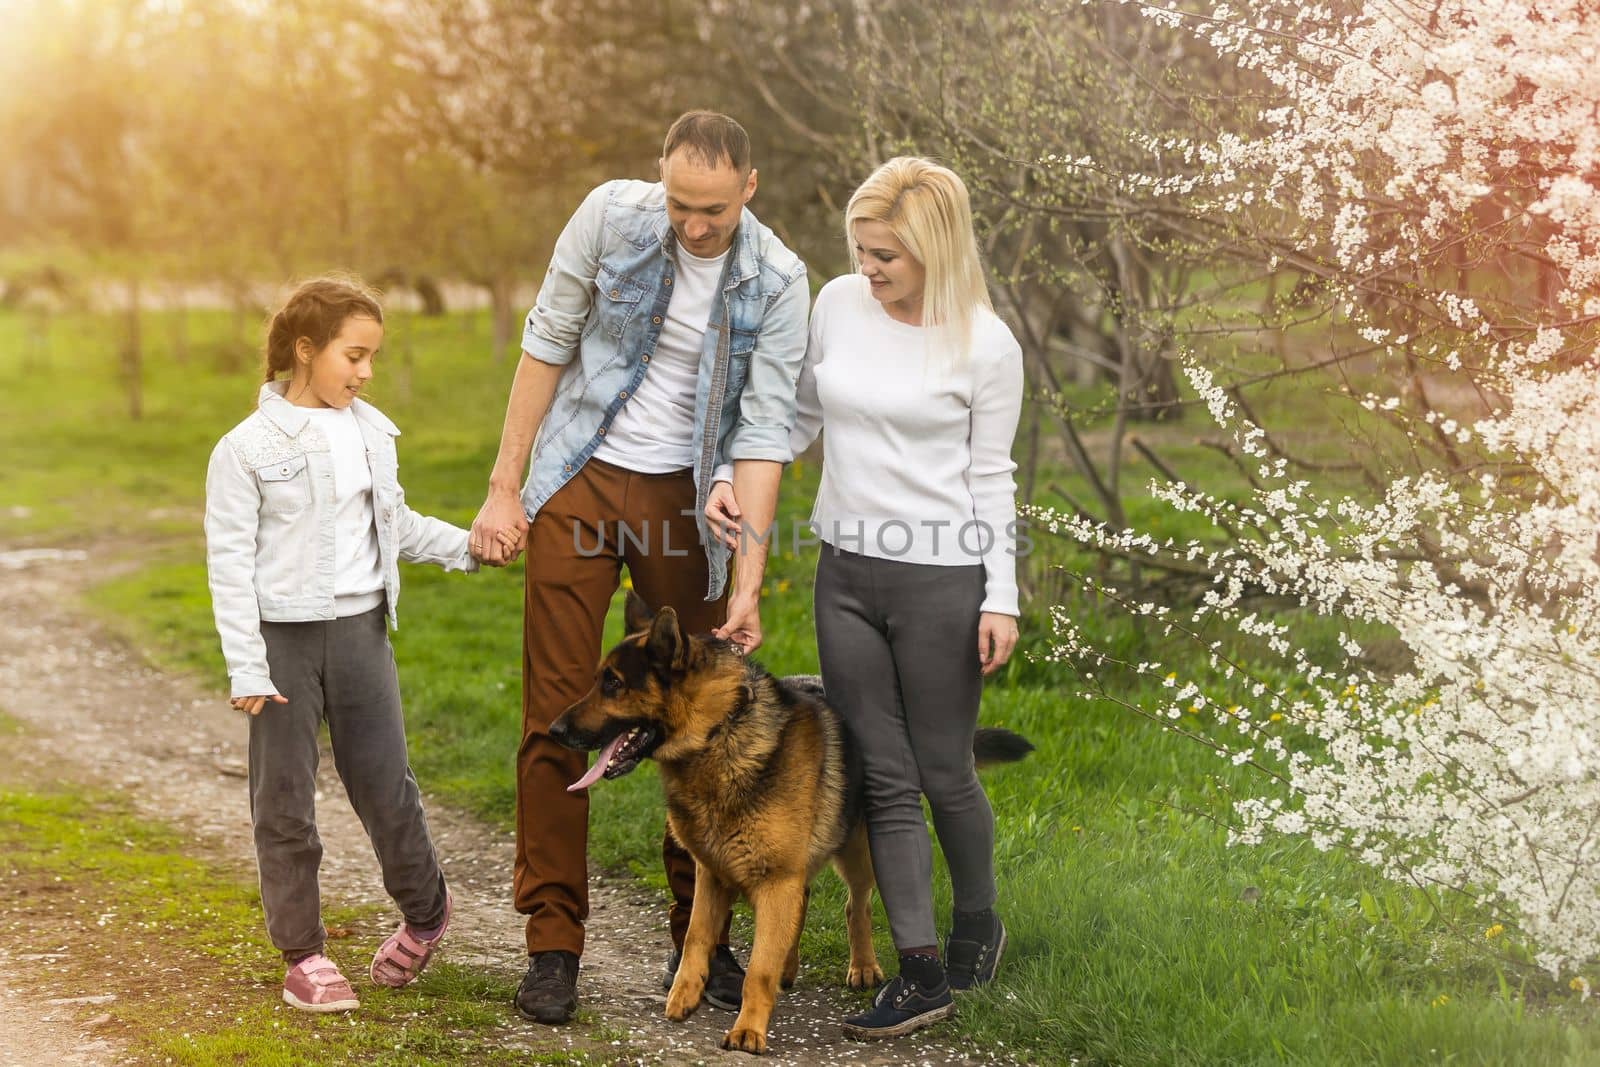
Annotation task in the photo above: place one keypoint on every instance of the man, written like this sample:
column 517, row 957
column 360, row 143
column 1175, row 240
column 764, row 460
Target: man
column 667, row 338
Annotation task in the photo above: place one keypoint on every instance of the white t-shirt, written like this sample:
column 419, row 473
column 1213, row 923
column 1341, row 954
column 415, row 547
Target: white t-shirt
column 653, row 433
column 917, row 457
column 358, row 573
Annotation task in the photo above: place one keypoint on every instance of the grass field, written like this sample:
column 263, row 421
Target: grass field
column 199, row 985
column 1138, row 936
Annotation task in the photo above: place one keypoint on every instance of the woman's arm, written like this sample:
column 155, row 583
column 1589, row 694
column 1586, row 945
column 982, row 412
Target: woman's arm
column 996, row 408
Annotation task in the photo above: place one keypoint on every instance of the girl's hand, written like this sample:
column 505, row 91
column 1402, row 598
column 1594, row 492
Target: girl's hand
column 997, row 636
column 722, row 512
column 253, row 705
column 512, row 542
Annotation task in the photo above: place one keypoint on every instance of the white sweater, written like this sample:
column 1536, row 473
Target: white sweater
column 916, row 460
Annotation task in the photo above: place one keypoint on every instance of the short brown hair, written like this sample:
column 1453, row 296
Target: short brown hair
column 710, row 137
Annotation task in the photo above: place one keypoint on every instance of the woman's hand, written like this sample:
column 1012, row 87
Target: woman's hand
column 997, row 636
column 722, row 512
column 253, row 705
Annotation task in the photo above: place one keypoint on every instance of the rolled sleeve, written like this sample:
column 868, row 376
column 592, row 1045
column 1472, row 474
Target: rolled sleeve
column 767, row 405
column 555, row 325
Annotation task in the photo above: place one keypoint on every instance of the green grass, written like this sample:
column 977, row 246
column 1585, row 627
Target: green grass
column 88, row 873
column 1138, row 936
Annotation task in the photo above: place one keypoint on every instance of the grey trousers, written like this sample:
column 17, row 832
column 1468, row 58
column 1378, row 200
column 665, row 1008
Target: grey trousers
column 342, row 671
column 898, row 644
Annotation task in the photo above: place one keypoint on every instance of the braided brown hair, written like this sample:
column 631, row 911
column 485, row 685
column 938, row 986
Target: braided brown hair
column 316, row 311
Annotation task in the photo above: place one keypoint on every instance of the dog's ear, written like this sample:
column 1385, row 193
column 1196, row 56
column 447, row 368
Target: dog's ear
column 636, row 614
column 666, row 643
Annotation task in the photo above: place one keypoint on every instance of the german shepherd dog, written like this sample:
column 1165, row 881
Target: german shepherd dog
column 762, row 787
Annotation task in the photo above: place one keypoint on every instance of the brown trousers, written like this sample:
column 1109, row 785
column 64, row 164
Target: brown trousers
column 576, row 549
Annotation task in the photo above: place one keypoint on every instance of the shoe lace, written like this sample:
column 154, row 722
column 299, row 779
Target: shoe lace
column 895, row 991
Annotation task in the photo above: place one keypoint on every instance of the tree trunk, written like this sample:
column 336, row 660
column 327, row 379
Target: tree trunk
column 133, row 356
column 430, row 294
column 180, row 329
column 502, row 315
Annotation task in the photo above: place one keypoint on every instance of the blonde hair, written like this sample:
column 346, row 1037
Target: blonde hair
column 927, row 209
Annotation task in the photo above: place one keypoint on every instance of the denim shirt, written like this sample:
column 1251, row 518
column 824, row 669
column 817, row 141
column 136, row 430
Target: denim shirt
column 603, row 302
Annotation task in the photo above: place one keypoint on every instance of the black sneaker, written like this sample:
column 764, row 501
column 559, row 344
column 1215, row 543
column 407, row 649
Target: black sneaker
column 971, row 959
column 724, row 981
column 899, row 1008
column 549, row 991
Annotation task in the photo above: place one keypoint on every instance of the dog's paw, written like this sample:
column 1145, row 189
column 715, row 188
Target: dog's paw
column 744, row 1039
column 864, row 975
column 682, row 1001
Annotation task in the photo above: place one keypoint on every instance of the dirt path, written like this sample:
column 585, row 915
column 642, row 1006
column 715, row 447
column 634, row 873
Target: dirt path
column 176, row 750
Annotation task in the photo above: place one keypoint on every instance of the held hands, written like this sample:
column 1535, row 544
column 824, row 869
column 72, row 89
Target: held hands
column 500, row 532
column 253, row 705
column 997, row 636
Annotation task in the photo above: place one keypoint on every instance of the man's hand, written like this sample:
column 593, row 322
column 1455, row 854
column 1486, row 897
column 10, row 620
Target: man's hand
column 722, row 512
column 500, row 531
column 997, row 636
column 253, row 705
column 743, row 627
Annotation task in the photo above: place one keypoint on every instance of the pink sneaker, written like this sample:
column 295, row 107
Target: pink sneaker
column 401, row 958
column 315, row 984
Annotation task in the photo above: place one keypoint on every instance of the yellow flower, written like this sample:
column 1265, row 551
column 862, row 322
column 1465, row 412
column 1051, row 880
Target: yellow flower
column 1494, row 931
column 1578, row 985
column 1172, row 676
column 784, row 584
column 1233, row 709
column 1274, row 717
column 1194, row 709
column 1441, row 1000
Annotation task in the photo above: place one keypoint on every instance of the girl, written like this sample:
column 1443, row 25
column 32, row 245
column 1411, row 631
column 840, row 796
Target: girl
column 919, row 386
column 304, row 523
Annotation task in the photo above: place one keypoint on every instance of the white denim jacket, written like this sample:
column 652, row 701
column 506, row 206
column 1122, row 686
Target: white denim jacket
column 270, row 519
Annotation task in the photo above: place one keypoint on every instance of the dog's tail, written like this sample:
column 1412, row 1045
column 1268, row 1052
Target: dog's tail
column 991, row 745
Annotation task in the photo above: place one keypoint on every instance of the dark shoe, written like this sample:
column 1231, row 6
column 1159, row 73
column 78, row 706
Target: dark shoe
column 899, row 1008
column 549, row 991
column 971, row 957
column 724, row 981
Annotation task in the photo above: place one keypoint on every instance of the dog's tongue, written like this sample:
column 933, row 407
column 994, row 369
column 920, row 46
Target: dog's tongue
column 598, row 767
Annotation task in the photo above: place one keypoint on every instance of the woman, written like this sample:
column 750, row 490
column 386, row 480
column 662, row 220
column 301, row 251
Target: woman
column 919, row 386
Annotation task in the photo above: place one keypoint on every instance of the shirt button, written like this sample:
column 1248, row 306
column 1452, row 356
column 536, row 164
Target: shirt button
column 667, row 280
column 568, row 468
column 622, row 395
column 656, row 319
column 646, row 359
column 615, row 293
column 602, row 431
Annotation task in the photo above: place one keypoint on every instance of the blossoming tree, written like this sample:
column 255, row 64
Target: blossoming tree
column 1434, row 167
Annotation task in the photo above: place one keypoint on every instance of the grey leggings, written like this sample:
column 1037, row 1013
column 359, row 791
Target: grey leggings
column 898, row 644
column 342, row 671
